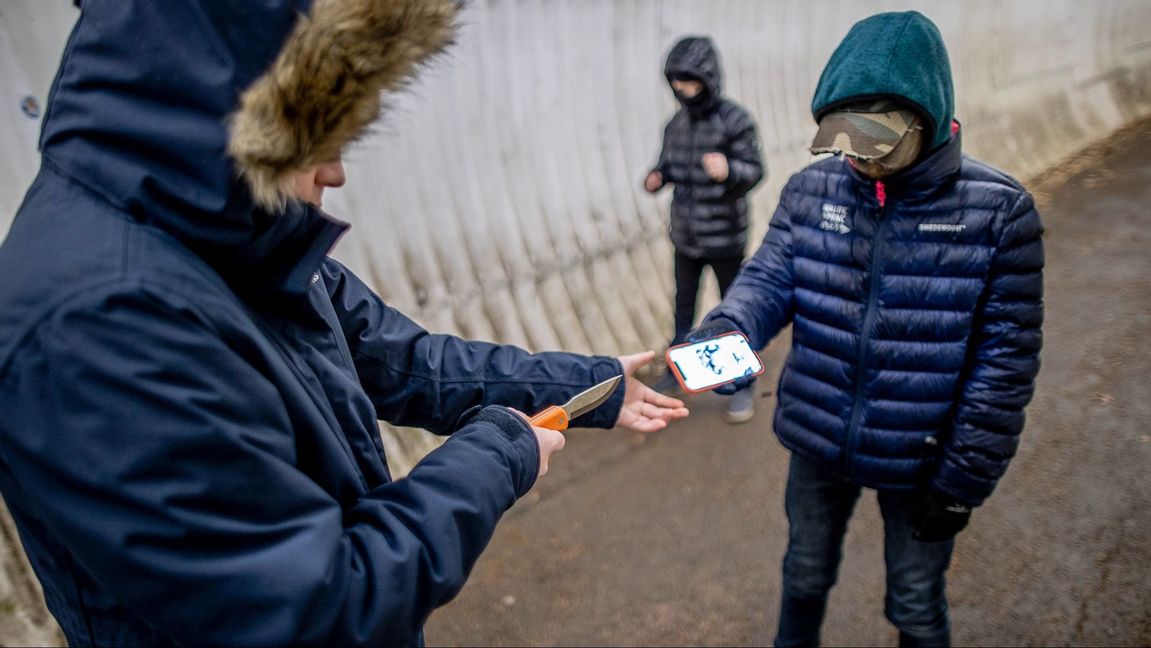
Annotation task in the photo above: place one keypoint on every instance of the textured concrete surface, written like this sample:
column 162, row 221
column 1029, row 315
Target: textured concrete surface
column 675, row 539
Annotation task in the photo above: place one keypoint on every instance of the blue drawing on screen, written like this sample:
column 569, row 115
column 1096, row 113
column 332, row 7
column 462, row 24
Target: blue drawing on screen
column 706, row 355
column 708, row 358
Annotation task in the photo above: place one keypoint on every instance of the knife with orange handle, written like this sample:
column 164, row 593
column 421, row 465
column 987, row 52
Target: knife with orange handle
column 557, row 417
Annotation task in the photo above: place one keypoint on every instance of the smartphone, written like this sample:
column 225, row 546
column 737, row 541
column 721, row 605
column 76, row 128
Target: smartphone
column 705, row 365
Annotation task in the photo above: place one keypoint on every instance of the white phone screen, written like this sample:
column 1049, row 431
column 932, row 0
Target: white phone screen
column 715, row 361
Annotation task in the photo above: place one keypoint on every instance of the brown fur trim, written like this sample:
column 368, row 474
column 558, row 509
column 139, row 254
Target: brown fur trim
column 324, row 88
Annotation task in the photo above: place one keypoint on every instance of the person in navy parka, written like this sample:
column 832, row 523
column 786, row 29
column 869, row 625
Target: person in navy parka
column 190, row 386
column 912, row 277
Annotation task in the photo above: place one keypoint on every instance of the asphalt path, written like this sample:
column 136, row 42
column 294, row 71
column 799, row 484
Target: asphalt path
column 676, row 538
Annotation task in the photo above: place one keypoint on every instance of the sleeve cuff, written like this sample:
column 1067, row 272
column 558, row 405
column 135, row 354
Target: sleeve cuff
column 606, row 414
column 954, row 482
column 519, row 434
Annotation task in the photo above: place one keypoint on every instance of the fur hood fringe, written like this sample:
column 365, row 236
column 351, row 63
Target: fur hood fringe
column 324, row 88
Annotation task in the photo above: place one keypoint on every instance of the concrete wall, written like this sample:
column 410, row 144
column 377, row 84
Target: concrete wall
column 500, row 199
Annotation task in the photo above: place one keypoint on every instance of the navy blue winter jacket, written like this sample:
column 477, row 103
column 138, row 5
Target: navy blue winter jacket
column 916, row 303
column 916, row 309
column 190, row 388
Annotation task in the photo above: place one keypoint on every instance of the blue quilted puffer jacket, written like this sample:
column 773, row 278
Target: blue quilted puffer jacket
column 916, row 309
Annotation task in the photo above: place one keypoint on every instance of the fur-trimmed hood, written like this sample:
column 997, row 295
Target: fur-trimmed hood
column 324, row 88
column 192, row 115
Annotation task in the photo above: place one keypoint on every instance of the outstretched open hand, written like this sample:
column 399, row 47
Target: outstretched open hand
column 644, row 409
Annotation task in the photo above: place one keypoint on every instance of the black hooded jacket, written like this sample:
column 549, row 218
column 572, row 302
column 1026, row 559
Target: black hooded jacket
column 708, row 218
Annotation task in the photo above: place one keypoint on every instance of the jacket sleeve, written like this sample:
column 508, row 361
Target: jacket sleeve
column 662, row 164
column 760, row 301
column 426, row 380
column 744, row 160
column 1005, row 360
column 168, row 463
column 674, row 133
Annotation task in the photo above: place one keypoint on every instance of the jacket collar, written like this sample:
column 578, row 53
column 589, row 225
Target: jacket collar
column 280, row 260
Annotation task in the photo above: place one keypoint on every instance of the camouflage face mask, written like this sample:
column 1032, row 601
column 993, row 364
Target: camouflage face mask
column 901, row 157
column 879, row 135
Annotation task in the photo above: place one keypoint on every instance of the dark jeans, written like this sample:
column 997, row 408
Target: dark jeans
column 819, row 504
column 687, row 273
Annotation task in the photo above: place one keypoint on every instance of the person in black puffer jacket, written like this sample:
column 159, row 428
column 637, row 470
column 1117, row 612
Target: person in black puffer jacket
column 711, row 154
column 912, row 277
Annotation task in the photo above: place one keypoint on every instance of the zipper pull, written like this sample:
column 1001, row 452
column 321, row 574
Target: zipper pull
column 881, row 193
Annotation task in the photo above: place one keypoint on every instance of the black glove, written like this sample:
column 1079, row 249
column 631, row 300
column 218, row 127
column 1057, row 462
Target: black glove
column 710, row 328
column 939, row 517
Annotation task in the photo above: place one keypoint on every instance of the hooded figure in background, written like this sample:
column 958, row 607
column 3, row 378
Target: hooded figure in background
column 912, row 276
column 191, row 386
column 711, row 154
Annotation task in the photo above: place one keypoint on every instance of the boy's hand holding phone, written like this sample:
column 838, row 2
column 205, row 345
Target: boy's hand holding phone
column 702, row 367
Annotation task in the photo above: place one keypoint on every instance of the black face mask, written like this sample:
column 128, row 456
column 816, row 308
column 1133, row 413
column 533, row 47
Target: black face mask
column 699, row 99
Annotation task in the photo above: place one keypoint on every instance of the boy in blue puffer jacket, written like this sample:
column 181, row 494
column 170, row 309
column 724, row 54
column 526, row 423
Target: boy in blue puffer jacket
column 912, row 276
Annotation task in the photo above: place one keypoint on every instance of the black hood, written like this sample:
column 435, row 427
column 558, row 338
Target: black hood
column 696, row 56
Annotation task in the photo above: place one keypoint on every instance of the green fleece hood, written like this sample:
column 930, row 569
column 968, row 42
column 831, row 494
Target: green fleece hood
column 899, row 55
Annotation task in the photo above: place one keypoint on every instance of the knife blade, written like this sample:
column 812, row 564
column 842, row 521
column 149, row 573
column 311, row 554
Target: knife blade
column 557, row 417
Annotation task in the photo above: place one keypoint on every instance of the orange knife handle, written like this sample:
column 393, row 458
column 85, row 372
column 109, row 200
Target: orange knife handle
column 552, row 418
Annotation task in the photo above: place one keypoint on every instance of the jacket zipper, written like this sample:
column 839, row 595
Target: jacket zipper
column 865, row 334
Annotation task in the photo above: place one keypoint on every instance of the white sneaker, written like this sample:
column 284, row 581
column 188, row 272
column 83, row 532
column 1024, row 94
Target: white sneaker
column 741, row 406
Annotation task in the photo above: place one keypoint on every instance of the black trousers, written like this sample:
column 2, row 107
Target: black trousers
column 687, row 274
